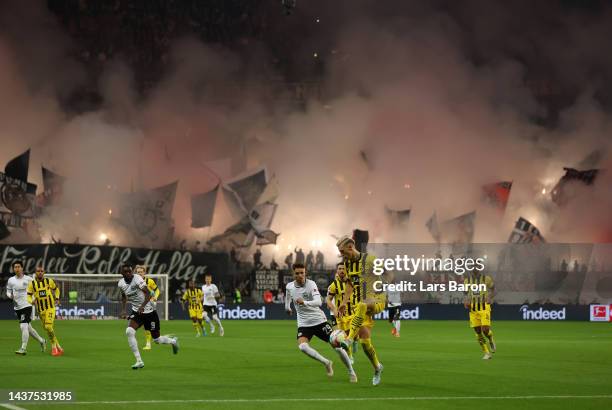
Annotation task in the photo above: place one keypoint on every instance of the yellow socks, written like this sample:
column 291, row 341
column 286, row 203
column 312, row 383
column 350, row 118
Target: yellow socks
column 368, row 349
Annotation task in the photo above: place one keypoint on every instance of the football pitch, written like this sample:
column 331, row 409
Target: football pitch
column 434, row 365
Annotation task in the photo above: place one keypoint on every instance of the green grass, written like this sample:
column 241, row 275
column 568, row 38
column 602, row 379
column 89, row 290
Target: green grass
column 260, row 360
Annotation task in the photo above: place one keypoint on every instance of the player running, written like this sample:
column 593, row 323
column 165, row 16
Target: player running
column 359, row 268
column 45, row 294
column 140, row 270
column 17, row 291
column 194, row 296
column 311, row 320
column 394, row 303
column 335, row 296
column 479, row 304
column 134, row 289
column 211, row 294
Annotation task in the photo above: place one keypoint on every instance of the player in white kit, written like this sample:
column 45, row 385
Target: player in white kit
column 16, row 290
column 210, row 294
column 394, row 303
column 134, row 289
column 311, row 320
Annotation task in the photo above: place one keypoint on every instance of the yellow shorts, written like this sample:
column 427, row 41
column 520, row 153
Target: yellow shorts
column 344, row 323
column 47, row 317
column 196, row 313
column 480, row 318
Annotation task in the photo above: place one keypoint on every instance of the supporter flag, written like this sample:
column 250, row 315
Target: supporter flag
column 148, row 214
column 4, row 231
column 267, row 237
column 397, row 218
column 239, row 235
column 53, row 186
column 18, row 167
column 433, row 228
column 203, row 208
column 459, row 230
column 565, row 188
column 497, row 194
column 525, row 232
column 17, row 202
column 250, row 188
column 262, row 215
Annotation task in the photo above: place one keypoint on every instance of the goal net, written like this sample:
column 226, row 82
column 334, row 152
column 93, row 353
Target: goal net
column 93, row 296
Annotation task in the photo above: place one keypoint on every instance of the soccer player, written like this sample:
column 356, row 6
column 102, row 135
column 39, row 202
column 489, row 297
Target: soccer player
column 479, row 304
column 211, row 294
column 335, row 296
column 45, row 294
column 311, row 320
column 360, row 286
column 140, row 270
column 134, row 289
column 394, row 302
column 17, row 291
column 194, row 296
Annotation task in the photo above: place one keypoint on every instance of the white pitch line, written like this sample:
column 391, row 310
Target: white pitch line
column 330, row 399
column 11, row 406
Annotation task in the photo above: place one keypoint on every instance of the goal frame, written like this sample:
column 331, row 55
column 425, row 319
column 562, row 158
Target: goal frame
column 118, row 277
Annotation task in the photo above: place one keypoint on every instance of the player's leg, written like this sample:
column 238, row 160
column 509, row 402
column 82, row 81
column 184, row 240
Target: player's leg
column 481, row 340
column 148, row 339
column 359, row 316
column 152, row 323
column 370, row 351
column 130, row 332
column 486, row 329
column 194, row 321
column 200, row 317
column 396, row 321
column 215, row 316
column 391, row 312
column 34, row 333
column 48, row 318
column 25, row 334
column 303, row 339
column 207, row 316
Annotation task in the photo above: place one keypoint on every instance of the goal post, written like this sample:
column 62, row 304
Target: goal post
column 95, row 296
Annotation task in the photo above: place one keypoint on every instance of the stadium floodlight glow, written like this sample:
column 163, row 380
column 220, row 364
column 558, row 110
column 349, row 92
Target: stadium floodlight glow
column 103, row 236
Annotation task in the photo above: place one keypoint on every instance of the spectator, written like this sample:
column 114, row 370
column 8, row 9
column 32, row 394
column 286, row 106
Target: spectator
column 563, row 266
column 289, row 261
column 310, row 261
column 273, row 265
column 319, row 261
column 299, row 256
column 237, row 296
column 257, row 259
column 268, row 297
column 280, row 296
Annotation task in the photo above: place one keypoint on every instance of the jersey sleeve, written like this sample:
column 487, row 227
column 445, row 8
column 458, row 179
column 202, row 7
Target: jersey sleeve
column 489, row 282
column 140, row 282
column 369, row 265
column 30, row 291
column 54, row 288
column 185, row 296
column 9, row 289
column 215, row 289
column 153, row 288
column 331, row 289
column 287, row 297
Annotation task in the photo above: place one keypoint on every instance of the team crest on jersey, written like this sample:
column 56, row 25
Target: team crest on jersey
column 15, row 198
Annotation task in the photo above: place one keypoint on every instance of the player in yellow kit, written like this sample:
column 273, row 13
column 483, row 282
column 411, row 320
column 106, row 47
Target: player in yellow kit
column 334, row 299
column 478, row 301
column 44, row 294
column 367, row 302
column 140, row 270
column 194, row 296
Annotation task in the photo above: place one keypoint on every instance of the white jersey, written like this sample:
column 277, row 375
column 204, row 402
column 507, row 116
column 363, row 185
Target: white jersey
column 17, row 289
column 209, row 292
column 133, row 292
column 308, row 314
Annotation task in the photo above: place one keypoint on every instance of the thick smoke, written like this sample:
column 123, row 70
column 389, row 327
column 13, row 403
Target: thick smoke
column 422, row 104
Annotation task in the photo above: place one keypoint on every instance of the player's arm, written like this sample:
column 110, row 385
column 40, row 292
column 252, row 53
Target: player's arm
column 183, row 300
column 288, row 301
column 490, row 289
column 56, row 291
column 9, row 290
column 147, row 297
column 123, row 314
column 30, row 293
column 329, row 299
column 348, row 291
column 316, row 298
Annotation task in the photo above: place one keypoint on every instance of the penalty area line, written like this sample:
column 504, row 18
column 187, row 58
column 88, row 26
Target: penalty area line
column 331, row 399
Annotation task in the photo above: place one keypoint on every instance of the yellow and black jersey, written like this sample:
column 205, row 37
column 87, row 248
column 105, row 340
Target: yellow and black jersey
column 152, row 287
column 478, row 298
column 43, row 293
column 194, row 296
column 338, row 289
column 360, row 273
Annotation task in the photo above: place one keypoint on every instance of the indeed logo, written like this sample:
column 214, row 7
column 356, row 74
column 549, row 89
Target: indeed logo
column 405, row 314
column 239, row 313
column 75, row 311
column 542, row 314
